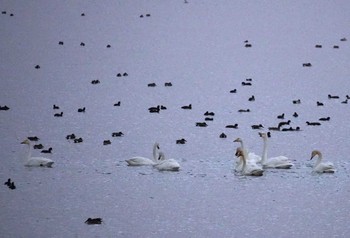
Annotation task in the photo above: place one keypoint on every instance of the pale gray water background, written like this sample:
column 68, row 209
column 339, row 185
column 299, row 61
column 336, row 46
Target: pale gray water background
column 199, row 48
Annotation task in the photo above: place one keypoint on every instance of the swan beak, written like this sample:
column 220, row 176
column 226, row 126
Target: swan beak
column 311, row 157
column 236, row 140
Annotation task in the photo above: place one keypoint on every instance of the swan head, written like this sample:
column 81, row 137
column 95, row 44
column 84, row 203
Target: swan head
column 314, row 153
column 26, row 141
column 238, row 140
column 156, row 145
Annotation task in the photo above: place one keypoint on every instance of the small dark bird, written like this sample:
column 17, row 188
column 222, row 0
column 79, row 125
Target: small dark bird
column 307, row 64
column 93, row 221
column 70, row 137
column 201, row 124
column 247, row 45
column 106, row 142
column 243, row 110
column 148, row 15
column 345, row 101
column 223, row 135
column 246, row 84
column 181, row 141
column 141, row 16
column 117, row 104
column 78, row 140
column 60, row 43
column 319, row 104
column 119, row 75
column 249, row 79
column 168, row 84
column 295, row 114
column 208, row 119
column 257, row 127
column 55, row 107
column 280, row 116
column 324, row 119
column 154, row 109
column 336, row 47
column 82, row 44
column 12, row 186
column 318, row 46
column 8, row 182
column 33, row 138
column 235, row 126
column 251, row 99
column 163, row 107
column 189, row 107
column 343, row 39
column 108, row 46
column 48, row 151
column 233, row 91
column 297, row 101
column 278, row 128
column 151, row 84
column 4, row 108
column 38, row 147
column 313, row 123
column 332, row 97
column 81, row 109
column 125, row 74
column 58, row 114
column 207, row 113
column 117, row 134
column 283, row 123
column 83, row 14
column 37, row 66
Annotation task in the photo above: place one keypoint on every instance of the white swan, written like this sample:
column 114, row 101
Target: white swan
column 322, row 167
column 251, row 155
column 36, row 161
column 164, row 164
column 138, row 160
column 246, row 168
column 279, row 162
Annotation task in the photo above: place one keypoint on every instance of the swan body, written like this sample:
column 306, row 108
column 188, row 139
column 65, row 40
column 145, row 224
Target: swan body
column 36, row 161
column 164, row 164
column 320, row 166
column 139, row 161
column 247, row 168
column 251, row 156
column 279, row 162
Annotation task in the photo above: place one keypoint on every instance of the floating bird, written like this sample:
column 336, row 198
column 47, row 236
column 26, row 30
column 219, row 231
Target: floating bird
column 81, row 109
column 164, row 164
column 223, row 135
column 324, row 119
column 48, row 151
column 235, row 126
column 201, row 124
column 94, row 221
column 139, row 161
column 313, row 123
column 36, row 161
column 181, row 141
column 320, row 166
column 189, row 107
column 117, row 134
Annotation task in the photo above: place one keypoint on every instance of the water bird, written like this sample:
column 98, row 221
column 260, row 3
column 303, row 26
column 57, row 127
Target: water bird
column 320, row 166
column 235, row 126
column 154, row 109
column 189, row 107
column 81, row 109
column 279, row 162
column 139, row 160
column 343, row 39
column 223, row 135
column 233, row 91
column 324, row 119
column 251, row 99
column 243, row 110
column 82, row 44
column 8, row 182
column 48, row 151
column 257, row 127
column 78, row 140
column 55, row 107
column 151, row 84
column 60, row 43
column 83, row 14
column 95, row 81
column 164, row 164
column 313, row 123
column 251, row 156
column 168, row 84
column 298, row 101
column 295, row 114
column 335, row 46
column 332, row 97
column 318, row 46
column 181, row 141
column 246, row 84
column 37, row 66
column 33, row 138
column 119, row 75
column 94, row 221
column 307, row 64
column 36, row 161
column 345, row 101
column 148, row 15
column 207, row 113
column 283, row 123
column 125, row 74
column 163, row 107
column 272, row 128
column 4, row 108
column 12, row 186
column 58, row 114
column 280, row 116
column 71, row 136
column 319, row 104
column 245, row 168
column 108, row 46
column 208, row 119
column 107, row 142
column 116, row 104
column 201, row 124
column 291, row 129
column 248, row 45
column 117, row 134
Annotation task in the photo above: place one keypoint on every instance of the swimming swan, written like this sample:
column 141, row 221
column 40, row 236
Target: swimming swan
column 165, row 164
column 251, row 155
column 36, row 161
column 139, row 161
column 279, row 162
column 246, row 168
column 322, row 167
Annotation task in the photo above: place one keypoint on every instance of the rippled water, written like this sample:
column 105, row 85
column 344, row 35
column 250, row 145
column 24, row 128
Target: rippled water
column 199, row 48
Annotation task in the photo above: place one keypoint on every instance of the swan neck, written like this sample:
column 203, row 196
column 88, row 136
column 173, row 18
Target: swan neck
column 155, row 150
column 264, row 153
column 29, row 155
column 319, row 159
